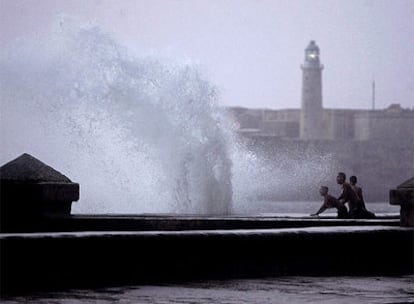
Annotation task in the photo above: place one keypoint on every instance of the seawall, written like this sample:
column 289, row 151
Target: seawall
column 33, row 261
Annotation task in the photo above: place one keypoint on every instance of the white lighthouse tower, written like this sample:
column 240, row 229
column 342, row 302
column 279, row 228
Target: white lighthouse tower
column 311, row 112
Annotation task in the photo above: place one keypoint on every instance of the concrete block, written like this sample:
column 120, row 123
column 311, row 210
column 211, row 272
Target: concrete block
column 403, row 195
column 31, row 190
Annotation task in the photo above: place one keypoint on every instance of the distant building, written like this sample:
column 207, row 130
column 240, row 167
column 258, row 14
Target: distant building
column 313, row 122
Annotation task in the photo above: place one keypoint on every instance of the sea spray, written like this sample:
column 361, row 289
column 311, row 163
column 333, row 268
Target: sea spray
column 277, row 173
column 138, row 134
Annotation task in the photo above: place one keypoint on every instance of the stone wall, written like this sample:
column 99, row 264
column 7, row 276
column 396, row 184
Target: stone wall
column 392, row 124
column 393, row 127
column 379, row 165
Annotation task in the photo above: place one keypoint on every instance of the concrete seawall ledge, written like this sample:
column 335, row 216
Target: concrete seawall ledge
column 181, row 222
column 36, row 261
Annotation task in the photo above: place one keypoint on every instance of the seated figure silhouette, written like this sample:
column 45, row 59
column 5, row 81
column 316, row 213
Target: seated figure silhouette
column 358, row 191
column 331, row 202
column 348, row 196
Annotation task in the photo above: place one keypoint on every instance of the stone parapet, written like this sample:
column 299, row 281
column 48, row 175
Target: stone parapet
column 404, row 197
column 31, row 191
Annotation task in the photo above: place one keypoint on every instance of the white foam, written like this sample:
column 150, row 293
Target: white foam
column 138, row 134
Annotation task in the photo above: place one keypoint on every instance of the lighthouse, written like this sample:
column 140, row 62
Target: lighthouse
column 311, row 111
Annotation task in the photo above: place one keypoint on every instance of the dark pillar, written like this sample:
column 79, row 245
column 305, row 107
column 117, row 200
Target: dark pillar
column 32, row 191
column 404, row 196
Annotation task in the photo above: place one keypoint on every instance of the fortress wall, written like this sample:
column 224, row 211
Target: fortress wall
column 379, row 165
column 392, row 128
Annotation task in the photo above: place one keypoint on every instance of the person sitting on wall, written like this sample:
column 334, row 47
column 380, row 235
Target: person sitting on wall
column 358, row 190
column 349, row 196
column 331, row 202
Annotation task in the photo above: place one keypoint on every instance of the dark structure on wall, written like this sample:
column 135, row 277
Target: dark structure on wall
column 403, row 196
column 31, row 191
column 377, row 145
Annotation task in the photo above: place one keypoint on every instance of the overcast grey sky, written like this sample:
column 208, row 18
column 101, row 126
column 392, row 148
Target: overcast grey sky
column 252, row 49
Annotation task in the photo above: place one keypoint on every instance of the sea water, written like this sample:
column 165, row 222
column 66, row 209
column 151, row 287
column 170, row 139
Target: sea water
column 329, row 290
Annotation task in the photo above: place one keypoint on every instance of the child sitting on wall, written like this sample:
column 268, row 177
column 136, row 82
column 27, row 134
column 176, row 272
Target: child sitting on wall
column 331, row 202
